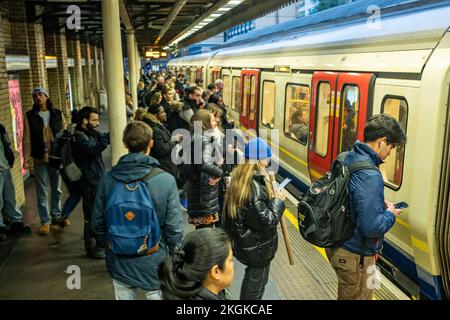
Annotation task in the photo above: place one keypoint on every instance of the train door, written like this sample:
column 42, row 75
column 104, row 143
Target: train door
column 351, row 110
column 250, row 92
column 338, row 115
column 321, row 123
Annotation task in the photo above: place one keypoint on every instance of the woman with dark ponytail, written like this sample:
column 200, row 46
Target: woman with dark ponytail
column 200, row 269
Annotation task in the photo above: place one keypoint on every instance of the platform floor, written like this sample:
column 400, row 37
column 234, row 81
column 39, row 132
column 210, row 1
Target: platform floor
column 32, row 267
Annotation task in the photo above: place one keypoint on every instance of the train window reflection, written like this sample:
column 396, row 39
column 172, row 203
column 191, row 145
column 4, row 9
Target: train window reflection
column 226, row 90
column 323, row 118
column 252, row 98
column 349, row 117
column 236, row 103
column 268, row 104
column 392, row 168
column 296, row 120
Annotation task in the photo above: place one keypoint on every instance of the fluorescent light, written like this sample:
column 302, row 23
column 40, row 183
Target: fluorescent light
column 224, row 9
column 208, row 20
column 216, row 15
column 235, row 1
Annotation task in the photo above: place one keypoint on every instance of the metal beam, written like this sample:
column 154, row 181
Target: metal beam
column 124, row 16
column 173, row 13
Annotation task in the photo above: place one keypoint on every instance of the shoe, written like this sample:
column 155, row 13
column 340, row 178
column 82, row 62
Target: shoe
column 184, row 203
column 19, row 227
column 2, row 234
column 97, row 253
column 57, row 233
column 66, row 222
column 44, row 229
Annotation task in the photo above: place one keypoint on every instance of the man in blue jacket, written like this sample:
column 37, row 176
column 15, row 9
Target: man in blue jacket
column 130, row 273
column 354, row 261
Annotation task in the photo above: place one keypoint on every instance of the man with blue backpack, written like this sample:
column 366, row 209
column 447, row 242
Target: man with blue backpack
column 137, row 215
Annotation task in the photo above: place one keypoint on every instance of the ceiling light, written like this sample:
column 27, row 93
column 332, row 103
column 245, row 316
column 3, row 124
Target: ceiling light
column 224, row 9
column 216, row 15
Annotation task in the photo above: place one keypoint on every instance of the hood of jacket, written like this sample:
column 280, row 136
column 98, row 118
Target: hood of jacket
column 133, row 166
column 362, row 152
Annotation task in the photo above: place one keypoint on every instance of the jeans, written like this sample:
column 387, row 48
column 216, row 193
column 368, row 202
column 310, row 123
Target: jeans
column 126, row 292
column 8, row 198
column 74, row 197
column 42, row 173
column 254, row 283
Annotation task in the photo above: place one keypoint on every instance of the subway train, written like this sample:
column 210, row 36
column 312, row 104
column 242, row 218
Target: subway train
column 318, row 82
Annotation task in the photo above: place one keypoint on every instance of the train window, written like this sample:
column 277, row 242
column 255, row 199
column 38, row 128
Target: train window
column 226, row 90
column 323, row 118
column 392, row 168
column 349, row 118
column 253, row 98
column 268, row 104
column 236, row 103
column 296, row 114
column 245, row 95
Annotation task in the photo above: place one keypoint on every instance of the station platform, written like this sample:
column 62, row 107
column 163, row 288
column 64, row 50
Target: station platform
column 33, row 268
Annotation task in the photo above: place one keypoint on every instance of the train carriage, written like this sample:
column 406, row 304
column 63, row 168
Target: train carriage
column 333, row 77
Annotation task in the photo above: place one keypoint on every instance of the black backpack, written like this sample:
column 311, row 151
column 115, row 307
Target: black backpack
column 323, row 212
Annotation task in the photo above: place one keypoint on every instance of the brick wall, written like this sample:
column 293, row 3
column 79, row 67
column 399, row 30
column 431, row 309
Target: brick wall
column 5, row 111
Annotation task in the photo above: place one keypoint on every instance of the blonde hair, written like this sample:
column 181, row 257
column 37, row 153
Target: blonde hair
column 139, row 113
column 204, row 116
column 241, row 186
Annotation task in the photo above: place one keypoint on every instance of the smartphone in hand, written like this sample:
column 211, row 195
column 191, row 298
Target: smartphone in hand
column 401, row 205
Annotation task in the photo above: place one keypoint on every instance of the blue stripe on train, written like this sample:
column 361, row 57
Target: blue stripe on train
column 431, row 287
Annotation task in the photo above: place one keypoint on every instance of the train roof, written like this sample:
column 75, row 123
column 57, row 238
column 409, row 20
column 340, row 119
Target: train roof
column 397, row 44
column 350, row 11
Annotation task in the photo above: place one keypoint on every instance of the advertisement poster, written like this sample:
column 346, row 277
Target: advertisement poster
column 15, row 102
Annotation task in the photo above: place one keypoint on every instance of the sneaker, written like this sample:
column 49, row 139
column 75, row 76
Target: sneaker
column 19, row 227
column 184, row 203
column 2, row 234
column 44, row 229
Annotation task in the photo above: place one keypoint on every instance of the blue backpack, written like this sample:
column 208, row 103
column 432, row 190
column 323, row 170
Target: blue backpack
column 131, row 221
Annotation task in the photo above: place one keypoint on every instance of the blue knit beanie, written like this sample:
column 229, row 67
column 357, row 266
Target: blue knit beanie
column 257, row 149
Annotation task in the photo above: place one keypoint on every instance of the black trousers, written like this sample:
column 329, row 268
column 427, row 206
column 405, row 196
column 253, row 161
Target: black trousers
column 88, row 193
column 254, row 283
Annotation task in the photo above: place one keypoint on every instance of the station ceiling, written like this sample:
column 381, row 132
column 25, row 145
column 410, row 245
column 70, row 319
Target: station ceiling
column 156, row 22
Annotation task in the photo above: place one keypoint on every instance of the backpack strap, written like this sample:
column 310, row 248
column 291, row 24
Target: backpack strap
column 361, row 165
column 154, row 172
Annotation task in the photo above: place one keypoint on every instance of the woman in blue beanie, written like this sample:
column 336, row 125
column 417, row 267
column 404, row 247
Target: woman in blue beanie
column 253, row 211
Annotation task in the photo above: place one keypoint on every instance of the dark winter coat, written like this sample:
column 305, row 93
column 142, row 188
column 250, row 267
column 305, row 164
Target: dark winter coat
column 36, row 126
column 366, row 203
column 87, row 149
column 141, row 272
column 203, row 199
column 162, row 145
column 254, row 230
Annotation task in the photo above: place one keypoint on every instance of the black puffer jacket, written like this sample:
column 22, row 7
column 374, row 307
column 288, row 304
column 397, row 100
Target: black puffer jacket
column 254, row 230
column 162, row 146
column 203, row 198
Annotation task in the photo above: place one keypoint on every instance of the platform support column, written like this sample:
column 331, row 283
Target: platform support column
column 114, row 76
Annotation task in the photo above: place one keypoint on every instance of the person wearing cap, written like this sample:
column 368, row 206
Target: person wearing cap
column 253, row 211
column 42, row 124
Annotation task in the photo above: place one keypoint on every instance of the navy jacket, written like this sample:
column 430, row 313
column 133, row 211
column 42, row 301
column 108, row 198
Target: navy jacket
column 87, row 150
column 141, row 272
column 366, row 203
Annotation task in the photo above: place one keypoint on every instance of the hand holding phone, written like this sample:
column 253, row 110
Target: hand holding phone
column 401, row 205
